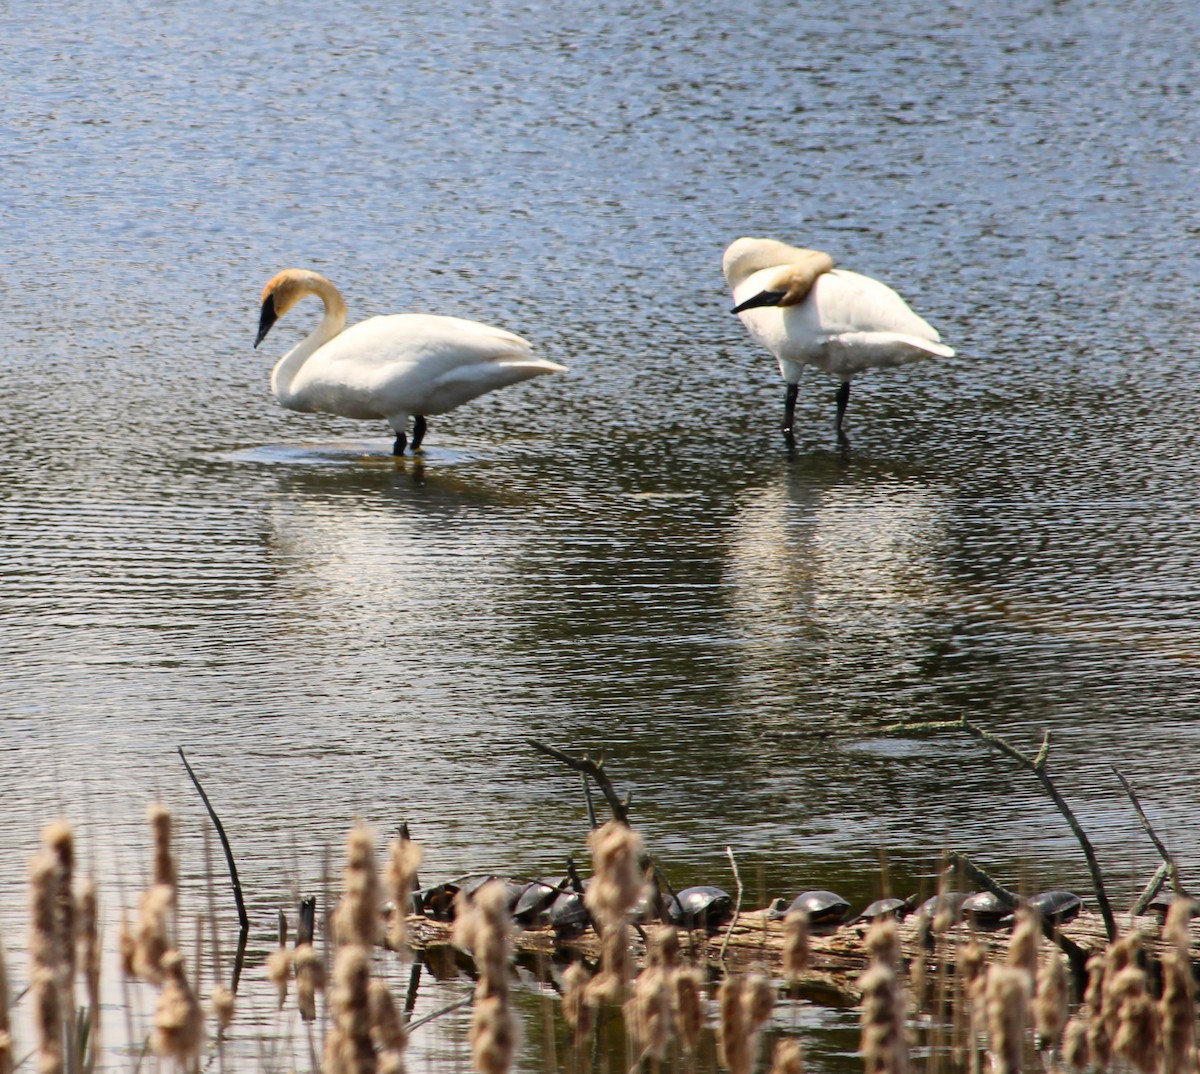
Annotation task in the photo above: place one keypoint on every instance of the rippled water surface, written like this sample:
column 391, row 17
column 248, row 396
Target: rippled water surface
column 626, row 558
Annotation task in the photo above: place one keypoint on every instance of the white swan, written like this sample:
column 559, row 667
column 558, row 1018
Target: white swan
column 806, row 312
column 396, row 367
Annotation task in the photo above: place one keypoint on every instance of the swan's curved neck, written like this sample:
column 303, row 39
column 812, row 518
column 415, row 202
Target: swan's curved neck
column 331, row 324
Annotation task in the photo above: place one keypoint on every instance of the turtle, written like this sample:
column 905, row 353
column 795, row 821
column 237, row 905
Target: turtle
column 702, row 906
column 531, row 906
column 986, row 909
column 568, row 914
column 885, row 908
column 825, row 909
column 1056, row 907
column 950, row 901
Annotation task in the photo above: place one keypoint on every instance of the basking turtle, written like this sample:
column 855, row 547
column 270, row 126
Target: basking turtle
column 885, row 908
column 1056, row 907
column 568, row 915
column 986, row 910
column 949, row 901
column 825, row 909
column 533, row 903
column 700, row 907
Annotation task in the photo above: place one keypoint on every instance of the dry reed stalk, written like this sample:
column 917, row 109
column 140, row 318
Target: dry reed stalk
column 179, row 1020
column 404, row 859
column 617, row 880
column 795, row 944
column 1136, row 1039
column 1050, row 1004
column 1008, row 991
column 788, row 1058
column 578, row 1009
column 689, row 1006
column 1177, row 1008
column 47, row 1016
column 279, row 970
column 310, row 979
column 884, row 1046
column 348, row 1047
column 356, row 919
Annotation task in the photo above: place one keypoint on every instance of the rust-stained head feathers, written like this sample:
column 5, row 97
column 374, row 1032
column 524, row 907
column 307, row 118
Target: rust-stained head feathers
column 793, row 271
column 286, row 288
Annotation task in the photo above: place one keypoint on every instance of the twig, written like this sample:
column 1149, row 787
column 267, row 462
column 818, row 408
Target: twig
column 1163, row 852
column 595, row 769
column 587, row 797
column 1153, row 888
column 243, row 918
column 417, row 1023
column 1037, row 766
column 737, row 904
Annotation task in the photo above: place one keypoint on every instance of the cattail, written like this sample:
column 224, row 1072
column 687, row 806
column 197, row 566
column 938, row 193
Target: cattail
column 59, row 840
column 482, row 925
column 758, row 996
column 404, row 859
column 578, row 1009
column 884, row 1047
column 664, row 950
column 609, row 985
column 689, row 1006
column 179, row 1021
column 1050, row 1005
column 1137, row 1037
column 1177, row 1008
column 735, row 1050
column 1099, row 1040
column 1119, row 957
column 649, row 1012
column 6, row 1041
column 43, row 912
column 356, row 920
column 160, row 830
column 348, row 1047
column 387, row 1030
column 1023, row 947
column 222, row 1001
column 493, row 1035
column 883, row 943
column 89, row 942
column 1075, row 1045
column 789, row 1057
column 617, row 881
column 1007, row 991
column 795, row 944
column 47, row 1014
column 310, row 979
column 972, row 960
column 279, row 970
column 152, row 938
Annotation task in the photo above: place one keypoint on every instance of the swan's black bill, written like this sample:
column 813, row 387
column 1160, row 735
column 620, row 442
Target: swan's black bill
column 265, row 319
column 763, row 298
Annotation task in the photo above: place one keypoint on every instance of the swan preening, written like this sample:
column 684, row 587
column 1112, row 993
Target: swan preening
column 806, row 312
column 407, row 365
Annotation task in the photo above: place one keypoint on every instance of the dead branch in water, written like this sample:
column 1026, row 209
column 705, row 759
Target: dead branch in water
column 595, row 769
column 1036, row 766
column 1164, row 853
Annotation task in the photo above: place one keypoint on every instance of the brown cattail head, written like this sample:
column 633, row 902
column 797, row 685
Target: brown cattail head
column 795, row 944
column 578, row 1009
column 59, row 839
column 609, row 985
column 44, row 941
column 689, row 1006
column 152, row 938
column 179, row 1021
column 883, row 943
column 1023, row 946
column 1075, row 1045
column 972, row 960
column 482, row 926
column 1137, row 1037
column 404, row 859
column 160, row 831
column 789, row 1057
column 279, row 970
column 1099, row 1040
column 884, row 1046
column 1175, row 929
column 47, row 1015
column 1177, row 1008
column 758, row 996
column 1119, row 957
column 1007, row 990
column 617, row 881
column 310, row 979
column 222, row 1001
column 733, row 1032
column 357, row 919
column 664, row 949
column 348, row 1047
column 1050, row 1006
column 649, row 1013
column 493, row 1035
column 387, row 1030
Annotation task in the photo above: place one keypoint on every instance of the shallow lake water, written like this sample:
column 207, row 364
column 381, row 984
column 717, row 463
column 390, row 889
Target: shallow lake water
column 626, row 559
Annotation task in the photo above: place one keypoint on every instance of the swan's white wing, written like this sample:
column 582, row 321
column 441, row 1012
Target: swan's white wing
column 848, row 303
column 471, row 381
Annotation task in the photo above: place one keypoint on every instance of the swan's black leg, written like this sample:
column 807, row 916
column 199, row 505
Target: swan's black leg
column 789, row 408
column 418, row 432
column 400, row 444
column 843, row 398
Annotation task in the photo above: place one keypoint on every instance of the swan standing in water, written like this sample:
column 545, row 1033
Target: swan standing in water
column 806, row 312
column 396, row 367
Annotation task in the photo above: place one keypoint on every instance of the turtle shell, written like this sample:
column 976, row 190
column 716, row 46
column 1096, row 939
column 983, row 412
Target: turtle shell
column 885, row 908
column 702, row 906
column 985, row 909
column 537, row 898
column 951, row 901
column 1056, row 907
column 568, row 915
column 822, row 907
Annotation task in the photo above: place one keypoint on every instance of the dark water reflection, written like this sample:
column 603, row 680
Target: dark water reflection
column 625, row 558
